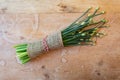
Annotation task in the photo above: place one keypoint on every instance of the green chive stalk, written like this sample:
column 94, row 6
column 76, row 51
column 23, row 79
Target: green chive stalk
column 81, row 32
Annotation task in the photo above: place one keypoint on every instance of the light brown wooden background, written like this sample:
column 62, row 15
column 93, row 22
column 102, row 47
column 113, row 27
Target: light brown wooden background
column 28, row 20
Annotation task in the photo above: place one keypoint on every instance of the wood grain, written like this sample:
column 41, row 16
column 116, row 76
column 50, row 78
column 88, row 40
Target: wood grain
column 56, row 6
column 29, row 20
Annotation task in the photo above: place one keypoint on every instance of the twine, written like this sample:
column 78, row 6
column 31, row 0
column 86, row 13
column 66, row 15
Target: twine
column 46, row 48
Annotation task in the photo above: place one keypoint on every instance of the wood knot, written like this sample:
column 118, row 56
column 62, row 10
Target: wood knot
column 66, row 8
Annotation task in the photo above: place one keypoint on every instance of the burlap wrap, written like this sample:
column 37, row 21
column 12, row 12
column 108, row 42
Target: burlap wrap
column 53, row 41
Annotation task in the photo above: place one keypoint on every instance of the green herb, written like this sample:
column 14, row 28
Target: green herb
column 77, row 34
column 80, row 32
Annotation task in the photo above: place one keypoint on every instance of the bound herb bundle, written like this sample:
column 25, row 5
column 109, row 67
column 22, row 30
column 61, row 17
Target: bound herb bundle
column 81, row 32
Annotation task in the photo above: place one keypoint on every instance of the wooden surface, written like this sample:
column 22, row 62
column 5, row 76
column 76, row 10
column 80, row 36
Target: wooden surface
column 29, row 20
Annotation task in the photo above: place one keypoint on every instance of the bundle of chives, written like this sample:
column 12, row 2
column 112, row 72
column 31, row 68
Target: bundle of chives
column 80, row 32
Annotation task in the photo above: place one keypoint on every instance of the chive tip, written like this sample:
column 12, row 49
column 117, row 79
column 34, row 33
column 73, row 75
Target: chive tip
column 90, row 7
column 97, row 8
column 103, row 20
column 103, row 12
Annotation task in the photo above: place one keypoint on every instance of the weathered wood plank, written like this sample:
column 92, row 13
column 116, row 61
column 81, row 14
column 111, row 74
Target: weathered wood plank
column 100, row 62
column 53, row 6
column 28, row 20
